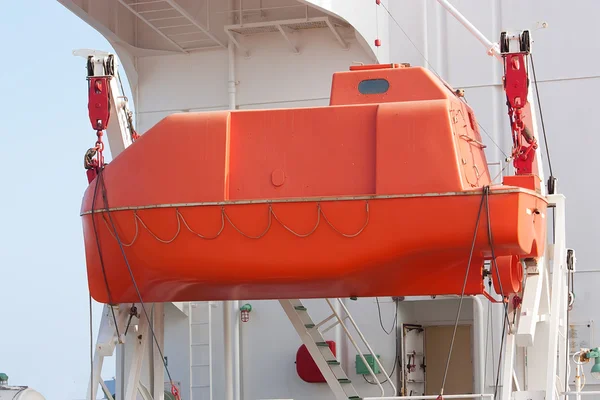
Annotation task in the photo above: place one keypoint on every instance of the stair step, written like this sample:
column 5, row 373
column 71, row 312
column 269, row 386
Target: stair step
column 344, row 380
column 299, row 308
column 333, row 362
column 309, row 326
column 354, row 398
column 322, row 344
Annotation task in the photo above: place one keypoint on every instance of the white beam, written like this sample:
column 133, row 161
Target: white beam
column 508, row 365
column 158, row 366
column 106, row 343
column 154, row 28
column 117, row 131
column 132, row 378
column 559, row 289
column 337, row 35
column 530, row 306
column 240, row 47
column 287, row 38
column 184, row 307
column 190, row 18
column 492, row 48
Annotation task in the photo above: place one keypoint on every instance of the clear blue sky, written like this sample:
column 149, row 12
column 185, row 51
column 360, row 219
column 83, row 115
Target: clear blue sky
column 44, row 132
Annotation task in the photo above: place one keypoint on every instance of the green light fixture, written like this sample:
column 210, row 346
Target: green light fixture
column 595, row 353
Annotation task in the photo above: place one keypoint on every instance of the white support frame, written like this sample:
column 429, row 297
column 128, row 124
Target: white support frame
column 139, row 341
column 132, row 379
column 544, row 307
column 539, row 328
column 154, row 28
column 337, row 35
column 192, row 20
column 281, row 25
column 117, row 131
column 105, row 344
column 492, row 48
column 157, row 367
column 285, row 33
column 237, row 43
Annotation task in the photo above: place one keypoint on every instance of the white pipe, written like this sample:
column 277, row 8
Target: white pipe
column 234, row 306
column 227, row 344
column 578, row 381
column 340, row 340
column 478, row 345
column 231, row 81
column 492, row 48
column 237, row 369
column 425, row 35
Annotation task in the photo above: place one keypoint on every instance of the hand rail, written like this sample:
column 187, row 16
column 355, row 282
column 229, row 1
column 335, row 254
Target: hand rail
column 435, row 396
column 341, row 322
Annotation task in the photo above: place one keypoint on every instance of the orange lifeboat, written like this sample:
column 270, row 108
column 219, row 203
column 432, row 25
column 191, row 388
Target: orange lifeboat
column 378, row 194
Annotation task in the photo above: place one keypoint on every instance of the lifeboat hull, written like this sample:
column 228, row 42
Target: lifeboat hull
column 401, row 245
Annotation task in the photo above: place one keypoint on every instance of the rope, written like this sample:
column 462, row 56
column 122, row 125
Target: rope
column 394, row 328
column 202, row 236
column 102, row 260
column 537, row 92
column 150, row 325
column 506, row 322
column 436, row 73
column 462, row 296
column 224, row 217
column 152, row 233
column 298, row 234
column 487, row 342
column 394, row 321
column 353, row 234
column 114, row 237
column 254, row 237
column 91, row 352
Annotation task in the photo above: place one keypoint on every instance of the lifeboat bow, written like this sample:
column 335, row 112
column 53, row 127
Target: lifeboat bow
column 385, row 192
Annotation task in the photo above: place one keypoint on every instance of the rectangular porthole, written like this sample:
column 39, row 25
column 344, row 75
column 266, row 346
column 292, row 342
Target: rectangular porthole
column 373, row 86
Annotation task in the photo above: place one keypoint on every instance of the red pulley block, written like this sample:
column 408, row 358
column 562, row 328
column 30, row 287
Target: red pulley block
column 99, row 102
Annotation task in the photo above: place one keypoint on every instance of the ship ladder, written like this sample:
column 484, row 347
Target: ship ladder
column 318, row 348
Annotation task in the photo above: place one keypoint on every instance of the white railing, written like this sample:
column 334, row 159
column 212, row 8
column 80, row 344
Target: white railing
column 436, row 396
column 569, row 394
column 340, row 320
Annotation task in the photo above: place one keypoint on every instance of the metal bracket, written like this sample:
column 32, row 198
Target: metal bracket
column 236, row 42
column 337, row 35
column 285, row 32
column 284, row 27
